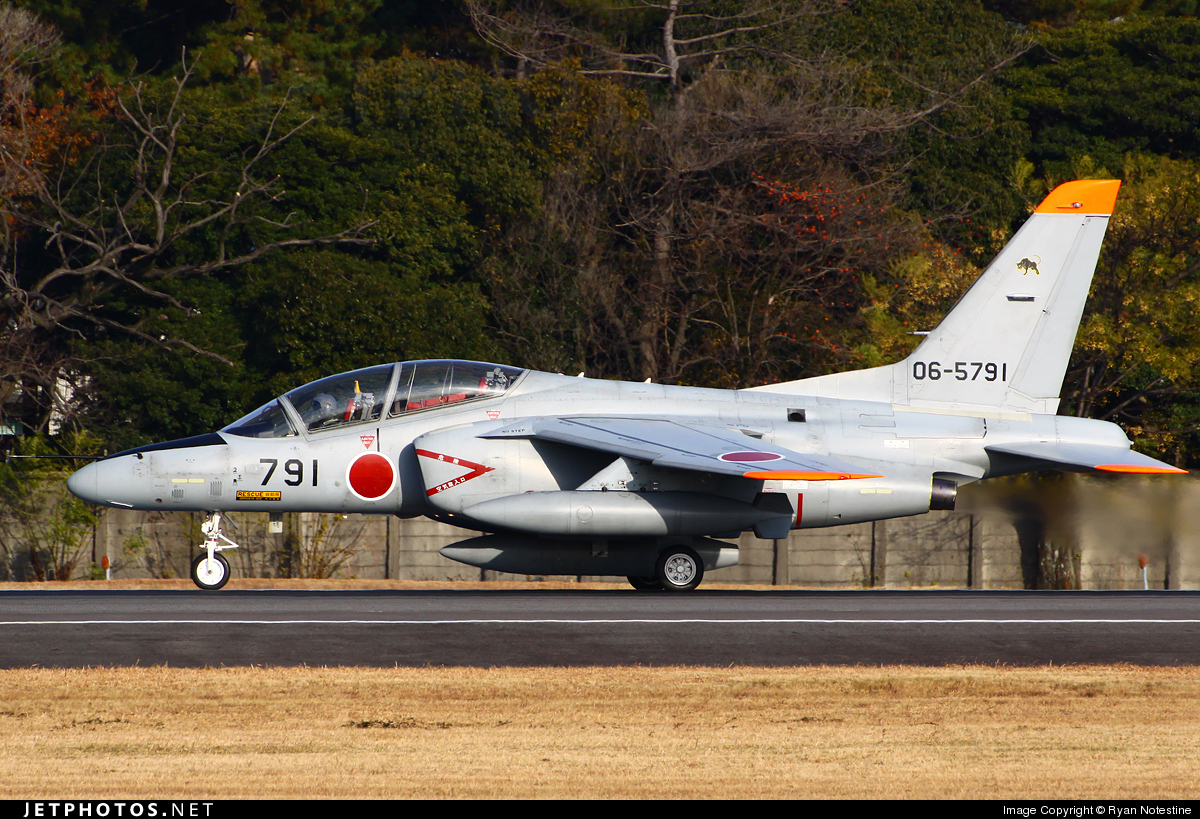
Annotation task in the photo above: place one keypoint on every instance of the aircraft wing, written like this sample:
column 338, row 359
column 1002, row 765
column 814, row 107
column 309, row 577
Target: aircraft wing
column 1086, row 457
column 674, row 444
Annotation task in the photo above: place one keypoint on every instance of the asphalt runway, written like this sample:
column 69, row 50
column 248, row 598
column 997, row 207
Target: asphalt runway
column 585, row 627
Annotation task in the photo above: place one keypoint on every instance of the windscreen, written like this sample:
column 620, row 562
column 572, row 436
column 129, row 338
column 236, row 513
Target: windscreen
column 269, row 421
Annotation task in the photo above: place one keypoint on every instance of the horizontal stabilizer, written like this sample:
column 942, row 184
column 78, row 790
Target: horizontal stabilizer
column 1087, row 457
column 696, row 447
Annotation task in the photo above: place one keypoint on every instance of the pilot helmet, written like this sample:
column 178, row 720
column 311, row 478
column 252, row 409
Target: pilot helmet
column 323, row 405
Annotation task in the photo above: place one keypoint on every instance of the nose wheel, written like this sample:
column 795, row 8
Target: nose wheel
column 210, row 571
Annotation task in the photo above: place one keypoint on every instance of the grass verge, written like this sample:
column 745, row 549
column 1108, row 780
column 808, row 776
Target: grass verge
column 957, row 732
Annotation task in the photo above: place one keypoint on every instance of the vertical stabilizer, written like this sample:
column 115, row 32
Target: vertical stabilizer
column 1006, row 343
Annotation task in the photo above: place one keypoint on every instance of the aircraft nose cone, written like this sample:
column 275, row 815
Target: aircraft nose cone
column 82, row 484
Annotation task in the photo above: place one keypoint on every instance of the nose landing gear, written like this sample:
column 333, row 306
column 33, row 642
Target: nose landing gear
column 210, row 571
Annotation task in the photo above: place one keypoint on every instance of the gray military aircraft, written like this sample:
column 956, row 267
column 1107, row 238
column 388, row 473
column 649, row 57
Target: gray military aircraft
column 570, row 475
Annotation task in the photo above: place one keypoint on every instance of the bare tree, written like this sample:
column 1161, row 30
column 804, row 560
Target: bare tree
column 692, row 260
column 108, row 215
column 693, row 34
column 25, row 45
column 712, row 234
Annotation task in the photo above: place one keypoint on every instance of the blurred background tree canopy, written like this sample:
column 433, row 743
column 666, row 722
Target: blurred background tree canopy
column 207, row 203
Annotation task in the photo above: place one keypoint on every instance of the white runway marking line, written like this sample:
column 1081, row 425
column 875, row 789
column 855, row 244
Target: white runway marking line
column 618, row 621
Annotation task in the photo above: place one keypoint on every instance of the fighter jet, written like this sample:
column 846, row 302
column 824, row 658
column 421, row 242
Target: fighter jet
column 579, row 476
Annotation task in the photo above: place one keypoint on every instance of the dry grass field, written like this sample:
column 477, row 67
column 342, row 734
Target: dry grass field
column 959, row 732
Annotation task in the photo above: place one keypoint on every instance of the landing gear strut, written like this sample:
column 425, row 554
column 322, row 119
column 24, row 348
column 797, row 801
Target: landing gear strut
column 210, row 571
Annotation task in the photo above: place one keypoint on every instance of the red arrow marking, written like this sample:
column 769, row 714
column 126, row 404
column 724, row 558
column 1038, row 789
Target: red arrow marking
column 476, row 470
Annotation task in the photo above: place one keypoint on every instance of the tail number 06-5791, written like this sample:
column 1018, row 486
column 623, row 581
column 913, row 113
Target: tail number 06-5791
column 293, row 467
column 960, row 371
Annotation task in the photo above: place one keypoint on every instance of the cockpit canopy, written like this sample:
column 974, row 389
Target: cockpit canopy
column 362, row 396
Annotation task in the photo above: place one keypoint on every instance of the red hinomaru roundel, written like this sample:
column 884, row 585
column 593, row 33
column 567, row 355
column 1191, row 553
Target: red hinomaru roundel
column 370, row 476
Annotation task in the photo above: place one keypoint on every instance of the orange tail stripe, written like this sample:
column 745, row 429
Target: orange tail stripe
column 1092, row 196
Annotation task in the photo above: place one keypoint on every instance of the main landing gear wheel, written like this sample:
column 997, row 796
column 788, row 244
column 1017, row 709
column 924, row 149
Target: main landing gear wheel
column 210, row 574
column 679, row 569
column 645, row 583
